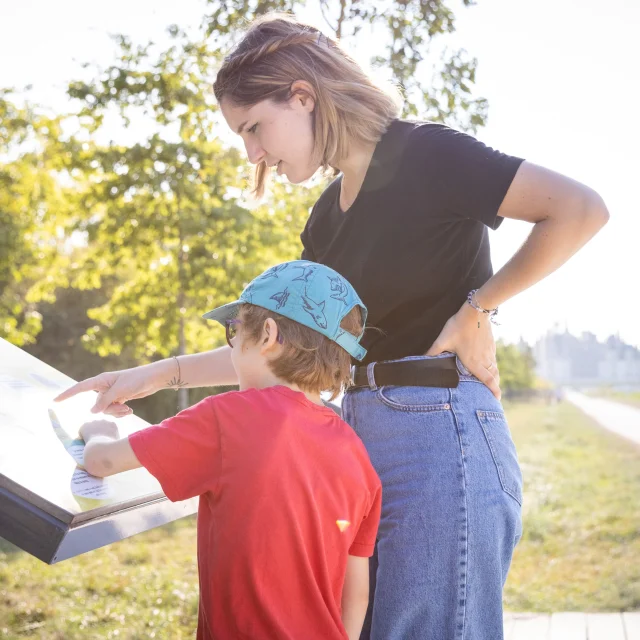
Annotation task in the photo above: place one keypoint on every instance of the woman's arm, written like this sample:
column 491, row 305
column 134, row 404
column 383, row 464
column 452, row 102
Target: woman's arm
column 565, row 215
column 115, row 388
column 207, row 369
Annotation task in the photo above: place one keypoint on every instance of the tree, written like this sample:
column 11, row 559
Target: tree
column 158, row 226
column 516, row 368
column 162, row 217
column 32, row 205
column 409, row 31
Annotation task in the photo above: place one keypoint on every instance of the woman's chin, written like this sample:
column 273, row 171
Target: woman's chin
column 295, row 177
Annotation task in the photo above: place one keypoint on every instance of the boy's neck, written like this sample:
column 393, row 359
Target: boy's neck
column 269, row 380
column 314, row 397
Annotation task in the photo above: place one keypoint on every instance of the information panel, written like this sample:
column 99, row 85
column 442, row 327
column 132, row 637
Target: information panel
column 49, row 505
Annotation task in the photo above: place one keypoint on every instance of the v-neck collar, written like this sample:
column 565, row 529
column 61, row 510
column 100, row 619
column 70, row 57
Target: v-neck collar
column 383, row 160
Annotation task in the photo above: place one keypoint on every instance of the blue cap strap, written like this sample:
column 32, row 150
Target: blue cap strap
column 350, row 344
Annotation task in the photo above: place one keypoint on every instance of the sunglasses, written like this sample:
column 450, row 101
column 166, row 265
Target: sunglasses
column 231, row 330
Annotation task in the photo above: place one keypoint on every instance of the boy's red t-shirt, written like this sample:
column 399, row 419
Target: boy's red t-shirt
column 287, row 492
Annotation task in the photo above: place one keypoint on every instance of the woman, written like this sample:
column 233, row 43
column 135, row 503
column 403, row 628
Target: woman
column 406, row 222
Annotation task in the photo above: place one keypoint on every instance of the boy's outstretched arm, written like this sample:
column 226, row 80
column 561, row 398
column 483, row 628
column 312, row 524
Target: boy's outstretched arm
column 355, row 595
column 105, row 454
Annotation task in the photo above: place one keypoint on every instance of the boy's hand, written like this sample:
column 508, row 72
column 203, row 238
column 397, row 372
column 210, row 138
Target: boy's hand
column 99, row 428
column 105, row 453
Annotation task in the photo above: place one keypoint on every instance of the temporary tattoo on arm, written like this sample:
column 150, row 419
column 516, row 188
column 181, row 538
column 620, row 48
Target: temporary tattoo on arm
column 177, row 382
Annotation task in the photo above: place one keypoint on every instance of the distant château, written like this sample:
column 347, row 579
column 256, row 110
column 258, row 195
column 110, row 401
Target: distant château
column 564, row 359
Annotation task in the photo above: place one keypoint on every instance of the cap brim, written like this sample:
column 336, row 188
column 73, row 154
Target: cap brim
column 223, row 313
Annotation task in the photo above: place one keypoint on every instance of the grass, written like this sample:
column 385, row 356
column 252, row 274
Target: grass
column 581, row 541
column 626, row 397
column 142, row 587
column 579, row 551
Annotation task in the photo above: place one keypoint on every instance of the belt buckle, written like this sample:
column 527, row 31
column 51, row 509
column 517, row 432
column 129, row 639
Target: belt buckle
column 371, row 378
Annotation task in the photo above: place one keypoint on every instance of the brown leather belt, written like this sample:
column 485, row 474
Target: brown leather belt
column 430, row 372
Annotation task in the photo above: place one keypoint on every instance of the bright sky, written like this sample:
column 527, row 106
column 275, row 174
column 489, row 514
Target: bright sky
column 563, row 91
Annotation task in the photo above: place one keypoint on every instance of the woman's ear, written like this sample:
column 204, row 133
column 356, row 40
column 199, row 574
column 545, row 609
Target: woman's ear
column 303, row 96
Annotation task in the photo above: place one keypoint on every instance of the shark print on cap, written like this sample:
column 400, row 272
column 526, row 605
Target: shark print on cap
column 315, row 310
column 306, row 273
column 274, row 271
column 281, row 298
column 339, row 288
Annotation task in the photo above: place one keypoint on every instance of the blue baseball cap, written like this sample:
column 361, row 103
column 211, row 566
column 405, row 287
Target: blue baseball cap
column 309, row 293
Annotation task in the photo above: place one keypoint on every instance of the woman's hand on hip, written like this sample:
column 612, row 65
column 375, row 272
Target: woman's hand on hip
column 468, row 334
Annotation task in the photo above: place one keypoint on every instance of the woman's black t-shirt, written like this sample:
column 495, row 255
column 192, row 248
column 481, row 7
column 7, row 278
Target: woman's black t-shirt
column 415, row 241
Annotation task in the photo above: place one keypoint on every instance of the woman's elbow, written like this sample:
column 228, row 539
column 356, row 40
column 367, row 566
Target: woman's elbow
column 582, row 215
column 596, row 212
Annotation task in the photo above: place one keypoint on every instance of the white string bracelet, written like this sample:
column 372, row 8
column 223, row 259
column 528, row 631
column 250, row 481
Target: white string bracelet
column 492, row 313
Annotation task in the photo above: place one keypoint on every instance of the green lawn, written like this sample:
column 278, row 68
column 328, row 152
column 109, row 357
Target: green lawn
column 580, row 548
column 581, row 545
column 143, row 587
column 627, row 397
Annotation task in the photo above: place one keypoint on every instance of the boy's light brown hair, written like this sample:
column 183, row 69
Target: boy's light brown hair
column 308, row 359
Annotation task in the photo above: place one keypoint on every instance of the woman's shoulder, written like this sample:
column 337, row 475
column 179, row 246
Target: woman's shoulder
column 407, row 129
column 405, row 144
column 437, row 150
column 411, row 144
column 425, row 136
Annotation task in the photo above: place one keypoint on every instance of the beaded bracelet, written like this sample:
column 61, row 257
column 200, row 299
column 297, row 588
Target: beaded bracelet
column 492, row 313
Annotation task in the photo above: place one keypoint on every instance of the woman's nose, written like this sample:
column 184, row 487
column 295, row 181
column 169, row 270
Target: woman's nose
column 255, row 152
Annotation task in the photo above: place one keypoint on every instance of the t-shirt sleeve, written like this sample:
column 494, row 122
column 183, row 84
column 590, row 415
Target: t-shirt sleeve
column 183, row 452
column 470, row 178
column 365, row 541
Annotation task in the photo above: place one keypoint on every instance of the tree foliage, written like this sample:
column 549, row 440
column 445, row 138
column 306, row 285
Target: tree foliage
column 516, row 365
column 140, row 235
column 437, row 83
column 162, row 217
column 33, row 201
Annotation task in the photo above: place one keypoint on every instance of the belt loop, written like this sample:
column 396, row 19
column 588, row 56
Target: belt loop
column 370, row 377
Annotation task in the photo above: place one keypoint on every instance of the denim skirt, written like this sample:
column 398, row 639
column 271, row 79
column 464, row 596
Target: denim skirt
column 451, row 508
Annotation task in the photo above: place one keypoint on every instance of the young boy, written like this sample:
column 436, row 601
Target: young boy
column 289, row 501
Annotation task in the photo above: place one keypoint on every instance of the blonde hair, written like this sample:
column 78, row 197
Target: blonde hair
column 308, row 358
column 276, row 51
